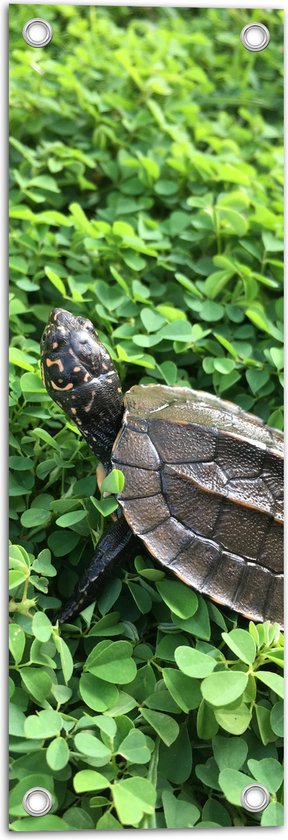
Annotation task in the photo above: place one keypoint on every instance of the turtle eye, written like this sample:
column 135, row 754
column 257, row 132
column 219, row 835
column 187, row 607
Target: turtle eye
column 89, row 327
column 85, row 324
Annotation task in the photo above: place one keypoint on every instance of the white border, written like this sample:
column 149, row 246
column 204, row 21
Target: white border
column 210, row 834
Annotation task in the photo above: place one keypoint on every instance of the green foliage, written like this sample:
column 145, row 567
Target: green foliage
column 146, row 194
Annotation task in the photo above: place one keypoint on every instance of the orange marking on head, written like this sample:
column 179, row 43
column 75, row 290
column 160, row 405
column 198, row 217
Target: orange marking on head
column 66, row 388
column 76, row 369
column 86, row 377
column 54, row 345
column 57, row 362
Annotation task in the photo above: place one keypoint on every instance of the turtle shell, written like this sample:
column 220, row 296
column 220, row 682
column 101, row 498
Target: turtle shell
column 204, row 491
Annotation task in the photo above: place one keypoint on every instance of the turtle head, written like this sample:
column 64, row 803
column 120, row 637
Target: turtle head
column 79, row 375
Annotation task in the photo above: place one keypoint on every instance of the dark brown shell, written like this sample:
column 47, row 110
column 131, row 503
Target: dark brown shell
column 204, row 491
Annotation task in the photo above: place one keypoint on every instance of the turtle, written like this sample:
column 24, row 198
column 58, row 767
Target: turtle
column 203, row 478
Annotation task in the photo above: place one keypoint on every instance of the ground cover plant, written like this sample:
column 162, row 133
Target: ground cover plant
column 146, row 194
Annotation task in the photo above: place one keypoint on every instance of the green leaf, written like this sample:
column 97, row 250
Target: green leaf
column 108, row 823
column 70, row 519
column 45, row 182
column 31, row 383
column 179, row 813
column 178, row 330
column 194, row 663
column 267, row 735
column 257, row 315
column 77, row 818
column 257, row 379
column 16, row 642
column 105, row 506
column 66, row 659
column 211, row 311
column 273, row 681
column 232, row 783
column 178, row 597
column 233, row 174
column 207, row 725
column 169, row 371
column 16, row 577
column 134, row 747
column 277, row 719
column 92, row 747
column 164, row 186
column 34, row 517
column 208, row 773
column 175, row 763
column 45, row 724
column 277, row 355
column 273, row 815
column 223, row 687
column 234, row 220
column 107, row 725
column 242, row 644
column 166, row 727
column 61, row 693
column 198, row 624
column 267, row 772
column 141, row 597
column 41, row 627
column 214, row 810
column 56, row 281
column 151, row 320
column 21, row 359
column 113, row 483
column 133, row 798
column 88, row 780
column 109, row 625
column 37, row 682
column 229, row 752
column 42, row 434
column 120, row 280
column 184, row 690
column 224, row 365
column 57, row 755
column 111, row 661
column 48, row 822
column 96, row 693
column 31, row 779
column 271, row 243
column 234, row 720
column 16, row 721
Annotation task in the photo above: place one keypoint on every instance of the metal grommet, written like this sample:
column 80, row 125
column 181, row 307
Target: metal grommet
column 37, row 801
column 255, row 37
column 255, row 797
column 37, row 32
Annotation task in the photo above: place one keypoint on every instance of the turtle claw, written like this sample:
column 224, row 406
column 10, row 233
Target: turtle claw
column 69, row 611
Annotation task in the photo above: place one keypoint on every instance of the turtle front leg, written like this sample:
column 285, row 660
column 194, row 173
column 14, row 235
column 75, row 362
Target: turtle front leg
column 108, row 554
